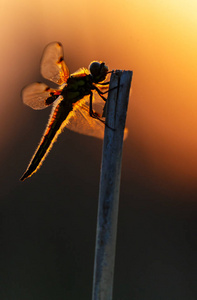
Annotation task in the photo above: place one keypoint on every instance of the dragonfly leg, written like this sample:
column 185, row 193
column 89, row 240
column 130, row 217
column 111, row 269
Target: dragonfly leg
column 104, row 83
column 91, row 112
column 105, row 99
column 94, row 114
column 102, row 93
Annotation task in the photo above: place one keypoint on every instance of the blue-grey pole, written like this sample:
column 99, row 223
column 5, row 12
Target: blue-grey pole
column 110, row 184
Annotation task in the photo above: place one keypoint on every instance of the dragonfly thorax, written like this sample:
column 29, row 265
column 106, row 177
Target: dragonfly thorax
column 98, row 71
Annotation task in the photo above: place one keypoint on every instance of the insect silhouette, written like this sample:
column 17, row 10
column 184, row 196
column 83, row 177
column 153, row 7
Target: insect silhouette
column 78, row 102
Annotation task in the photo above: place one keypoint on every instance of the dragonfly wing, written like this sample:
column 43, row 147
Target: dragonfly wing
column 80, row 121
column 53, row 66
column 38, row 95
column 54, row 127
column 81, row 72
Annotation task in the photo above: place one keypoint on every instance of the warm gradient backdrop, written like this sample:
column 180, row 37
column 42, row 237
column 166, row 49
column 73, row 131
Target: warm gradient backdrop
column 158, row 41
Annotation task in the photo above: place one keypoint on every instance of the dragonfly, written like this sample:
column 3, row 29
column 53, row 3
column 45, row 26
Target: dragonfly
column 77, row 103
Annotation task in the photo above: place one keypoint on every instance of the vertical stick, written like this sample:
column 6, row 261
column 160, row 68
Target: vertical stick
column 109, row 185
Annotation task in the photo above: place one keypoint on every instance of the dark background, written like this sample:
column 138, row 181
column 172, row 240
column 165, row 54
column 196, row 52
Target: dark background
column 48, row 223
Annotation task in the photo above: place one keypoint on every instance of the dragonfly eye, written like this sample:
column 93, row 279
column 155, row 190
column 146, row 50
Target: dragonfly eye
column 98, row 70
column 95, row 68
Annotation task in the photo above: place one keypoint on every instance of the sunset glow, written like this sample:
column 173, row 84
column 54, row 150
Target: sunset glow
column 48, row 222
column 155, row 39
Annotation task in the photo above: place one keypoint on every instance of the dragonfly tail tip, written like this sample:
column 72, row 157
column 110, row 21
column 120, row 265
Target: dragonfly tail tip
column 24, row 177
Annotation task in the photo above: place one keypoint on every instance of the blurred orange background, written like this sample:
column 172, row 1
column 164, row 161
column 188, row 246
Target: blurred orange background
column 48, row 223
column 155, row 39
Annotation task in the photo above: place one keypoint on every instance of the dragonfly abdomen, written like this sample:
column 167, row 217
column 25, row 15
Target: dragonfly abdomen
column 50, row 135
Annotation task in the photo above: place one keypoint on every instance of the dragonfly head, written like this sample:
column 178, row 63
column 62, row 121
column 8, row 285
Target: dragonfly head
column 98, row 71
